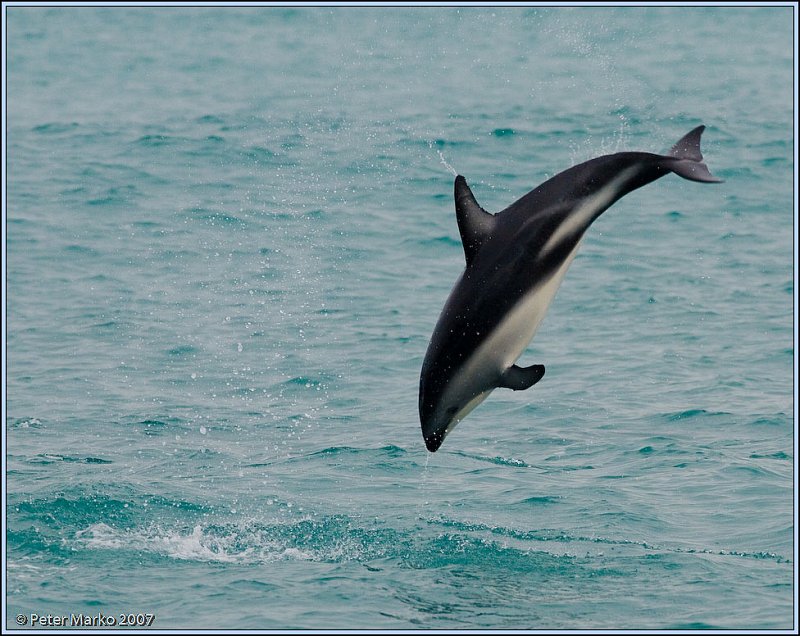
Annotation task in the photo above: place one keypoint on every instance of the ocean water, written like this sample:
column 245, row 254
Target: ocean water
column 230, row 232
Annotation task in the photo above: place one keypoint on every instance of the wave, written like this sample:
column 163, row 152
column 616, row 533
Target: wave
column 340, row 539
column 140, row 525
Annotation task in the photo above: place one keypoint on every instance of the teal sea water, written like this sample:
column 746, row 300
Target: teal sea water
column 230, row 232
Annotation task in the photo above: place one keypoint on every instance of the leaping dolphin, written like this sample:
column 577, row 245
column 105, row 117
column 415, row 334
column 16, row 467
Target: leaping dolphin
column 516, row 260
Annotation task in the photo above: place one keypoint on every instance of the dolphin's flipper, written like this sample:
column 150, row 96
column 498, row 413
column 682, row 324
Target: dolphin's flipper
column 474, row 223
column 689, row 164
column 521, row 378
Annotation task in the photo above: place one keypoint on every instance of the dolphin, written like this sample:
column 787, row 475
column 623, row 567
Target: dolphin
column 516, row 260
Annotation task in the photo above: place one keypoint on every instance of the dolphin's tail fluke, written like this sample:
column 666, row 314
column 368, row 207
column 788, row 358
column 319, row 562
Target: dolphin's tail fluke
column 688, row 160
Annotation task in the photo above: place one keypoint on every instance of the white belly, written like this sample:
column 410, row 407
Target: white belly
column 515, row 332
column 502, row 349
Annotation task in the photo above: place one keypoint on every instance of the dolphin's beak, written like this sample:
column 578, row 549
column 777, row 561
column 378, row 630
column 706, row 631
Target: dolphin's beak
column 433, row 430
column 434, row 440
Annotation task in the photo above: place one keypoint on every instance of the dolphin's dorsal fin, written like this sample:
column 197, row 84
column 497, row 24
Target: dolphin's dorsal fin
column 474, row 223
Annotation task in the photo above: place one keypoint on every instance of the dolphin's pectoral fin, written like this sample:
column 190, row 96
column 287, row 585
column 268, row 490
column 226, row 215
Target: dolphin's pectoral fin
column 521, row 378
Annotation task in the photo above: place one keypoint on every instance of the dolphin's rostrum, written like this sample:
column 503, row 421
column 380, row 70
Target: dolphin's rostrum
column 516, row 260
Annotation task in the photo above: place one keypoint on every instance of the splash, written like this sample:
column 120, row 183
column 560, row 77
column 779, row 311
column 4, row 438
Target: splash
column 196, row 545
column 330, row 539
column 442, row 160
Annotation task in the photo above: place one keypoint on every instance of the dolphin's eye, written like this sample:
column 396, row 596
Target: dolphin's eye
column 452, row 410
